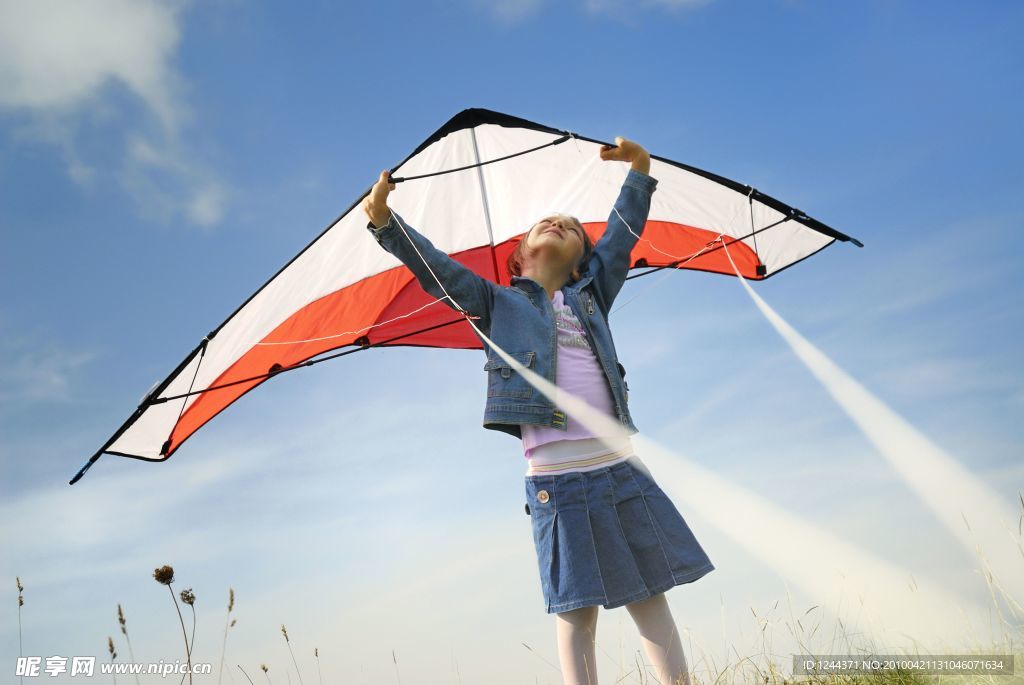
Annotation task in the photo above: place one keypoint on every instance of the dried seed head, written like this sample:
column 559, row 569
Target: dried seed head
column 18, row 580
column 316, row 652
column 284, row 631
column 21, row 601
column 188, row 597
column 164, row 575
column 264, row 667
column 110, row 647
column 120, row 619
column 231, row 599
column 233, row 622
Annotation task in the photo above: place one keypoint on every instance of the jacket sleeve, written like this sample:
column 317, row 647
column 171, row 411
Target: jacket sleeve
column 473, row 292
column 609, row 262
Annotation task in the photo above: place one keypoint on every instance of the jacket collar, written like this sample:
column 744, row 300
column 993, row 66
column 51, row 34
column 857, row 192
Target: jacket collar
column 526, row 283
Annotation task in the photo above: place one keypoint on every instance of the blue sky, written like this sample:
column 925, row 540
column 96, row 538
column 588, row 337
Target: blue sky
column 159, row 161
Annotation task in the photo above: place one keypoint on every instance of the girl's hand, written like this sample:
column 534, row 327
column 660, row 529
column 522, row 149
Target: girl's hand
column 376, row 203
column 628, row 151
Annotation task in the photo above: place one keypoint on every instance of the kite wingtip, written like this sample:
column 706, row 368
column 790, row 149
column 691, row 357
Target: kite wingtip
column 81, row 471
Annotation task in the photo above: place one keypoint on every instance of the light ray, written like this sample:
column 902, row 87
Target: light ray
column 977, row 516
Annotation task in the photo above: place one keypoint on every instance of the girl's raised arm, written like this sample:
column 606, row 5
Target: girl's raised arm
column 472, row 292
column 609, row 263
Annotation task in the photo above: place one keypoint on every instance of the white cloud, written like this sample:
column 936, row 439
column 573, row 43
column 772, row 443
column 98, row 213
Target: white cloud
column 55, row 54
column 60, row 63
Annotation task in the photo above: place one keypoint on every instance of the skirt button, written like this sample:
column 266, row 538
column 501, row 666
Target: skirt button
column 542, row 496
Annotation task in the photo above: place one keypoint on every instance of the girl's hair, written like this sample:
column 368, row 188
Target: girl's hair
column 515, row 260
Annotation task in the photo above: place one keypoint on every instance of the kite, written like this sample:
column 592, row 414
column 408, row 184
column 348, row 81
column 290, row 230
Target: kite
column 473, row 188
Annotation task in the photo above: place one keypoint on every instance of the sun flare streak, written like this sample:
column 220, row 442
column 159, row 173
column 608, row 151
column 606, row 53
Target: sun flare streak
column 974, row 513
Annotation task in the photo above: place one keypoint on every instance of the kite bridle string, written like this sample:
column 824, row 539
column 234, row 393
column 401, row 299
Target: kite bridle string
column 735, row 239
column 150, row 400
column 738, row 274
column 358, row 330
column 402, row 179
column 468, row 316
column 750, row 202
column 679, row 260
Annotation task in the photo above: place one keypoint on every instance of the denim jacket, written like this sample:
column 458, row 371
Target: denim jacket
column 520, row 318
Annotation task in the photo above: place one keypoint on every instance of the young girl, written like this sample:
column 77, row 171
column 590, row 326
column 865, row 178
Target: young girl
column 604, row 531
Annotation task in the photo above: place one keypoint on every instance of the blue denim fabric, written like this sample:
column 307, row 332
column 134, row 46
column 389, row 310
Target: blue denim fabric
column 610, row 536
column 520, row 319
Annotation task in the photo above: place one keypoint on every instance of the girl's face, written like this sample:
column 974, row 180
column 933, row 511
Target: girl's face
column 556, row 237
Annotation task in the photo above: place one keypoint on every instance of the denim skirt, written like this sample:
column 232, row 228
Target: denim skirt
column 609, row 536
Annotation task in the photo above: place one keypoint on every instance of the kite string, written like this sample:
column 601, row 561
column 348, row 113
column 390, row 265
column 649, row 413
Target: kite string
column 403, row 316
column 734, row 268
column 653, row 246
column 426, row 264
column 469, row 318
column 679, row 260
column 568, row 135
column 602, row 426
column 467, row 315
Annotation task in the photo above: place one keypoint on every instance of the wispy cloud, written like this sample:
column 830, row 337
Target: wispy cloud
column 510, row 11
column 62, row 64
column 623, row 5
column 515, row 11
column 39, row 373
column 164, row 182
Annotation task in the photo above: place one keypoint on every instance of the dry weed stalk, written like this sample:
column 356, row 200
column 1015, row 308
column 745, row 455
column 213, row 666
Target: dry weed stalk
column 165, row 576
column 228, row 623
column 21, row 603
column 397, row 674
column 245, row 674
column 113, row 655
column 284, row 631
column 124, row 631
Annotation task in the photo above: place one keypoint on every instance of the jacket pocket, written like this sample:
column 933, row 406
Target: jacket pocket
column 503, row 381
